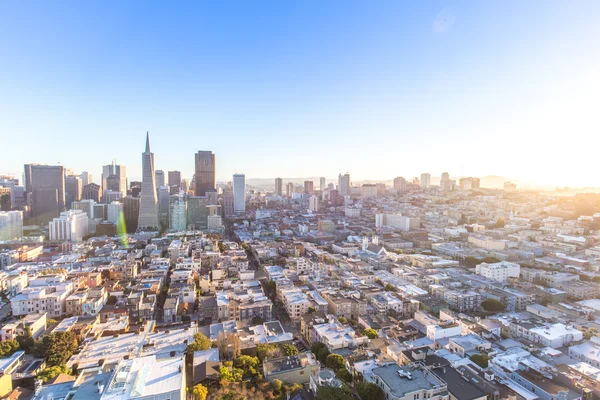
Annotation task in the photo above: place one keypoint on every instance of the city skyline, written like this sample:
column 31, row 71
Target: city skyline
column 389, row 89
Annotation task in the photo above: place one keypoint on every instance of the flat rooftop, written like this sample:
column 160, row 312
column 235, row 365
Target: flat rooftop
column 401, row 386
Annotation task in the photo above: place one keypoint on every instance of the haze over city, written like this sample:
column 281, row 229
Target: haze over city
column 378, row 89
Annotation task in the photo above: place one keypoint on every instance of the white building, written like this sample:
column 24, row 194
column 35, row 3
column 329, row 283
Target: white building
column 397, row 221
column 11, row 225
column 296, row 302
column 313, row 203
column 352, row 212
column 178, row 212
column 425, row 181
column 70, row 226
column 500, row 271
column 556, row 335
column 239, row 193
column 114, row 210
column 215, row 222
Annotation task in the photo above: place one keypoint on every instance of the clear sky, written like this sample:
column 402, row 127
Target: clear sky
column 305, row 88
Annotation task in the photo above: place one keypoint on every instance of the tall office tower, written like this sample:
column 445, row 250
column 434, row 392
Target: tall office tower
column 178, row 212
column 5, row 199
column 131, row 213
column 174, row 182
column 148, row 200
column 91, row 191
column 400, row 185
column 100, row 211
column 344, row 184
column 45, row 191
column 239, row 193
column 313, row 203
column 289, row 189
column 11, row 225
column 120, row 172
column 114, row 211
column 309, row 187
column 278, row 186
column 70, row 225
column 86, row 178
column 163, row 206
column 185, row 185
column 87, row 206
column 17, row 193
column 135, row 188
column 110, row 196
column 197, row 212
column 205, row 177
column 444, row 181
column 425, row 181
column 72, row 189
column 159, row 177
column 322, row 184
column 228, row 202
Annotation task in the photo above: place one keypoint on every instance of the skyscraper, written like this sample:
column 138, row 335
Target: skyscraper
column 239, row 193
column 400, row 185
column 425, row 181
column 11, row 225
column 322, row 184
column 174, row 182
column 163, row 206
column 278, row 186
column 344, row 184
column 197, row 212
column 120, row 176
column 131, row 212
column 72, row 189
column 159, row 177
column 91, row 191
column 289, row 189
column 148, row 198
column 205, row 172
column 86, row 178
column 45, row 191
column 309, row 187
column 178, row 212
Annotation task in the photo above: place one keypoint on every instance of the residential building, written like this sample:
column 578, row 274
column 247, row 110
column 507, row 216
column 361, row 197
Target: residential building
column 70, row 226
column 239, row 193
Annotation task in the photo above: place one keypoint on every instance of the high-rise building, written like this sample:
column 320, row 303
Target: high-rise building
column 239, row 193
column 174, row 182
column 322, row 184
column 111, row 195
column 131, row 212
column 205, row 176
column 228, row 202
column 445, row 181
column 100, row 212
column 5, row 199
column 148, row 196
column 469, row 183
column 309, row 187
column 86, row 178
column 289, row 189
column 425, row 181
column 118, row 171
column 72, row 189
column 91, row 191
column 114, row 211
column 159, row 177
column 11, row 225
column 400, row 185
column 87, row 206
column 178, row 212
column 70, row 225
column 45, row 191
column 163, row 206
column 278, row 186
column 313, row 203
column 344, row 184
column 197, row 212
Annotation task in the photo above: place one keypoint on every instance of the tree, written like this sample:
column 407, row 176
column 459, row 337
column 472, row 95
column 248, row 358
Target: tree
column 57, row 348
column 111, row 300
column 493, row 305
column 342, row 320
column 270, row 288
column 248, row 364
column 227, row 376
column 257, row 320
column 369, row 391
column 389, row 288
column 500, row 223
column 322, row 355
column 277, row 386
column 371, row 333
column 480, row 359
column 199, row 392
column 8, row 348
column 52, row 372
column 201, row 342
column 333, row 393
column 311, row 310
column 344, row 375
column 289, row 350
column 267, row 351
column 335, row 362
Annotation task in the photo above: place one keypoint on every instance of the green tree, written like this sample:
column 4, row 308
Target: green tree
column 57, row 348
column 277, row 386
column 257, row 321
column 480, row 359
column 500, row 223
column 267, row 351
column 199, row 392
column 8, row 348
column 289, row 350
column 201, row 342
column 333, row 393
column 369, row 391
column 111, row 300
column 344, row 375
column 227, row 376
column 342, row 320
column 389, row 288
column 335, row 362
column 270, row 288
column 26, row 341
column 371, row 333
column 52, row 372
column 493, row 305
column 322, row 355
column 248, row 364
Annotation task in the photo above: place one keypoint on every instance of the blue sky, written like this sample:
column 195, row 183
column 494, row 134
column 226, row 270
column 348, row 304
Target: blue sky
column 306, row 88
